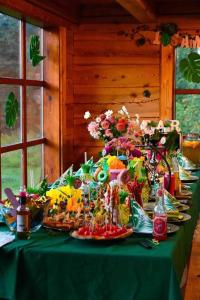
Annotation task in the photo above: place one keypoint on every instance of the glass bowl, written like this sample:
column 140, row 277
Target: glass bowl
column 36, row 218
column 191, row 148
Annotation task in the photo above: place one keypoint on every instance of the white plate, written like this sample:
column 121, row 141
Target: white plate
column 183, row 207
column 192, row 169
column 171, row 228
column 186, row 217
column 190, row 179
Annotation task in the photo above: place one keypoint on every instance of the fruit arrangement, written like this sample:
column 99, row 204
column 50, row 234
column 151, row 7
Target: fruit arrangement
column 106, row 232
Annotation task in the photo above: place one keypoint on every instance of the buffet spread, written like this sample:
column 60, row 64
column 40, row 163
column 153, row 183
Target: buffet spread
column 140, row 167
column 97, row 222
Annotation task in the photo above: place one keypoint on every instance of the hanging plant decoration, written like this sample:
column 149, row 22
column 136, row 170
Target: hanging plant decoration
column 166, row 32
column 11, row 110
column 35, row 56
column 190, row 67
column 147, row 93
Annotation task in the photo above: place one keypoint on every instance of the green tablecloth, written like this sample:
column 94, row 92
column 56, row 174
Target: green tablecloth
column 54, row 266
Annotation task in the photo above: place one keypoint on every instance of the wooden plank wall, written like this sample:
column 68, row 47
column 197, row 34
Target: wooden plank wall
column 109, row 71
column 66, row 97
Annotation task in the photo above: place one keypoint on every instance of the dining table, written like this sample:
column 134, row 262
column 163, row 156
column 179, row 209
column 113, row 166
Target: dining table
column 52, row 265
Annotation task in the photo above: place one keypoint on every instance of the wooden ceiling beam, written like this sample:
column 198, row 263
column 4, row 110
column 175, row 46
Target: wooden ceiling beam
column 140, row 9
column 40, row 11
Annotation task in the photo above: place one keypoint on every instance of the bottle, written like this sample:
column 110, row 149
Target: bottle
column 166, row 181
column 23, row 217
column 175, row 166
column 172, row 184
column 160, row 217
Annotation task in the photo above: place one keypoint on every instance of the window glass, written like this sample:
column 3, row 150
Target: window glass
column 9, row 135
column 34, row 73
column 11, row 171
column 181, row 83
column 34, row 164
column 188, row 113
column 9, row 46
column 29, row 95
column 34, row 112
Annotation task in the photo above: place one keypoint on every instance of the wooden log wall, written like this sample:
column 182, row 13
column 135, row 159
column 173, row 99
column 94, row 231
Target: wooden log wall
column 110, row 70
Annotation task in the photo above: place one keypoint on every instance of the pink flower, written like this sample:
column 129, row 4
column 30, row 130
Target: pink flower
column 111, row 120
column 102, row 117
column 105, row 124
column 93, row 129
column 108, row 133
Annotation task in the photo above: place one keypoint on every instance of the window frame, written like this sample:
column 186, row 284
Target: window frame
column 23, row 83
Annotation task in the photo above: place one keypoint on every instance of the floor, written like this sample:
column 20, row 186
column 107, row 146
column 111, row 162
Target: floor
column 192, row 290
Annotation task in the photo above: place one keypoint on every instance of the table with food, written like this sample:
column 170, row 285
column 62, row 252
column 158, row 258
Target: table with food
column 119, row 227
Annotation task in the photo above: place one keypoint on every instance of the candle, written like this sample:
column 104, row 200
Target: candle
column 180, row 141
column 85, row 157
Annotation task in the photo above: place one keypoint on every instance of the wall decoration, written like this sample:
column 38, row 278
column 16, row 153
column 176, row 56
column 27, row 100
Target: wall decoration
column 190, row 67
column 168, row 34
column 147, row 93
column 34, row 50
column 165, row 34
column 11, row 110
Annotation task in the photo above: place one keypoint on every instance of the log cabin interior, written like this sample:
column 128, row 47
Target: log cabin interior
column 99, row 55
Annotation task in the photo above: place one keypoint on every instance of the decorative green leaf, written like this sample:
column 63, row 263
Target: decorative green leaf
column 172, row 141
column 85, row 168
column 37, row 59
column 190, row 67
column 70, row 180
column 165, row 38
column 11, row 110
column 34, row 53
column 152, row 124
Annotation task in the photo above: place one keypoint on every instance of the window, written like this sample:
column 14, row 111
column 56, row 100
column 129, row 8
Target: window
column 187, row 104
column 21, row 147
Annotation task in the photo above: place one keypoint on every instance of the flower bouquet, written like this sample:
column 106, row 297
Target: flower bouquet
column 107, row 126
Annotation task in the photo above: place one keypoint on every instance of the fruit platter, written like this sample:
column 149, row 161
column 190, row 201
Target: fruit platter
column 106, row 232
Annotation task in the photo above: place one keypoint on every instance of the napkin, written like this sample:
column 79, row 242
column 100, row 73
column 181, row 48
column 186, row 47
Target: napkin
column 141, row 222
column 6, row 238
column 170, row 202
column 61, row 180
column 184, row 162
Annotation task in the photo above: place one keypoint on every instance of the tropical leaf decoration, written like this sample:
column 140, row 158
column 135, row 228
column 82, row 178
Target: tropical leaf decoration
column 41, row 188
column 172, row 141
column 11, row 110
column 190, row 67
column 35, row 56
column 165, row 38
column 167, row 31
